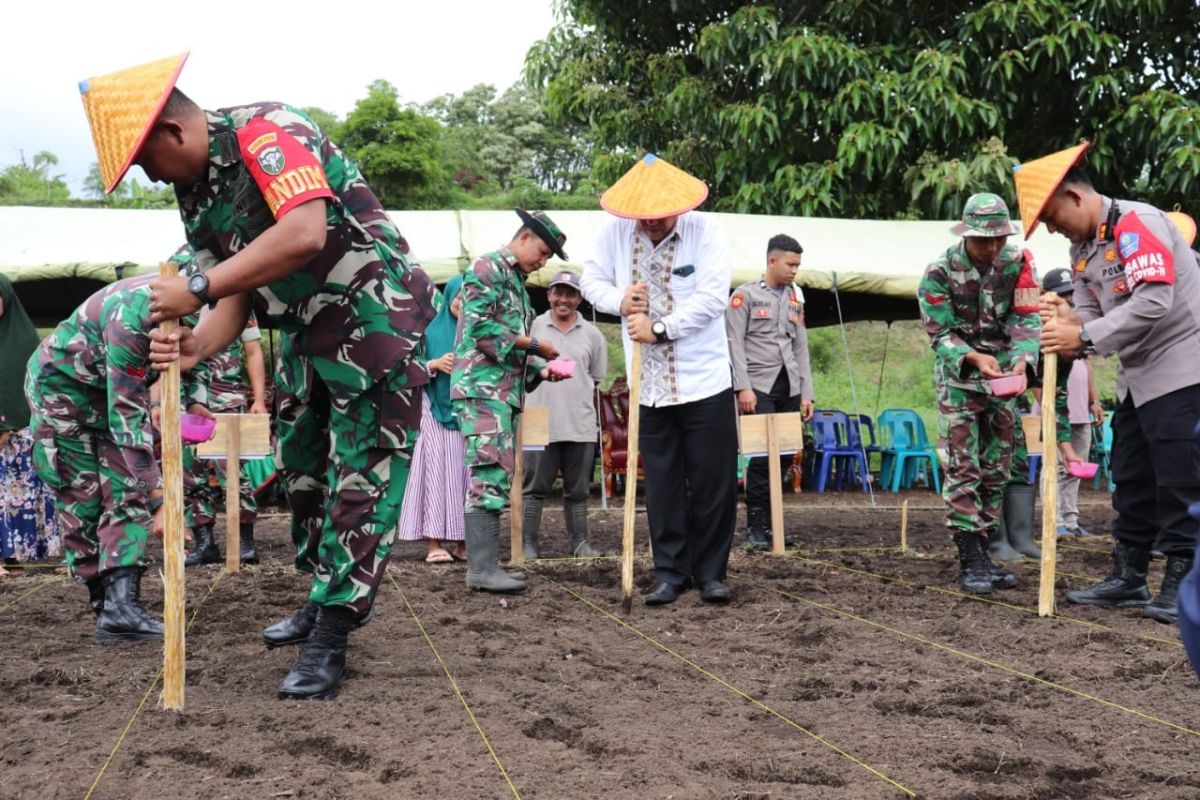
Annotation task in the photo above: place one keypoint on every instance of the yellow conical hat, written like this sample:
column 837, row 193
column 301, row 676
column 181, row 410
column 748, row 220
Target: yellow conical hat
column 653, row 189
column 1186, row 225
column 1037, row 180
column 121, row 107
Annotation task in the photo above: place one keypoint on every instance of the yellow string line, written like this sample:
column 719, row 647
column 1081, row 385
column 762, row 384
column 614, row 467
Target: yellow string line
column 38, row 588
column 993, row 664
column 454, row 685
column 1084, row 549
column 963, row 595
column 146, row 696
column 731, row 687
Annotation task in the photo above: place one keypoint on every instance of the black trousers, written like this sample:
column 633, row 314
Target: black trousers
column 689, row 452
column 1156, row 469
column 776, row 401
column 575, row 459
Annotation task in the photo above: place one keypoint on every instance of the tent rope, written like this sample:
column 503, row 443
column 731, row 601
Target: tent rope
column 837, row 299
column 887, row 335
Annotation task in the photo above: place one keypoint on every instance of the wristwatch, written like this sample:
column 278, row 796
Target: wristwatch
column 533, row 346
column 154, row 503
column 659, row 329
column 1088, row 348
column 198, row 285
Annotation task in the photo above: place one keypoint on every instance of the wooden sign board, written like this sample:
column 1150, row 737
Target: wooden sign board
column 1032, row 426
column 533, row 433
column 773, row 435
column 254, row 436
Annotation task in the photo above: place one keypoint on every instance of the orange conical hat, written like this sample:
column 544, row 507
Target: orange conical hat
column 653, row 189
column 121, row 107
column 1037, row 180
column 1186, row 225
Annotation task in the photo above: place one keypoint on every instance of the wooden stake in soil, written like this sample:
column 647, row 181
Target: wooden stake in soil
column 233, row 501
column 533, row 432
column 631, row 471
column 1049, row 485
column 904, row 527
column 173, row 581
column 772, row 434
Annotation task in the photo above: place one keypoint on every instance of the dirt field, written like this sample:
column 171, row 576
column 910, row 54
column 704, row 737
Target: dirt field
column 833, row 674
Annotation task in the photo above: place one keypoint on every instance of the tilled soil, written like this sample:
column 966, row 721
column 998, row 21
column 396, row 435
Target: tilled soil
column 836, row 672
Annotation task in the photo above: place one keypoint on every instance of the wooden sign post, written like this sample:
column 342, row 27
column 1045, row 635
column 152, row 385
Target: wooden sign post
column 773, row 435
column 237, row 436
column 174, row 655
column 904, row 528
column 533, row 433
column 1049, row 485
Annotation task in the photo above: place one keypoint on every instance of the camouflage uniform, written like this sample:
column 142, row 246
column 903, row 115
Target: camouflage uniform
column 1062, row 427
column 490, row 375
column 992, row 311
column 352, row 320
column 227, row 394
column 89, row 387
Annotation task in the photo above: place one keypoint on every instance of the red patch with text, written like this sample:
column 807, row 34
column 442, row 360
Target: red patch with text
column 1145, row 258
column 287, row 174
column 762, row 313
column 1025, row 295
column 136, row 372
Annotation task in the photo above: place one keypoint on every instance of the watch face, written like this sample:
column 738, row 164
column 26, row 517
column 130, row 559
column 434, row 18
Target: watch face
column 197, row 283
column 658, row 327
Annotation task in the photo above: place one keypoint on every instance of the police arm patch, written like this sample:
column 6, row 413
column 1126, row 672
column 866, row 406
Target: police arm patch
column 286, row 172
column 1145, row 258
column 737, row 300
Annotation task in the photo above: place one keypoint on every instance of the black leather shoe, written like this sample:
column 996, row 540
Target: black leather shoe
column 757, row 540
column 664, row 594
column 317, row 673
column 296, row 628
column 714, row 592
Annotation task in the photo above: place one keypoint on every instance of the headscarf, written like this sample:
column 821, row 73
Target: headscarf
column 18, row 340
column 440, row 336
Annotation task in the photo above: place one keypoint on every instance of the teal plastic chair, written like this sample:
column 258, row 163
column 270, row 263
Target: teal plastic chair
column 904, row 446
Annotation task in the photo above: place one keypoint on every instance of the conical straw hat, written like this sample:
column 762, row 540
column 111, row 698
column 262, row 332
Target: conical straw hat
column 121, row 107
column 1186, row 225
column 1037, row 181
column 653, row 189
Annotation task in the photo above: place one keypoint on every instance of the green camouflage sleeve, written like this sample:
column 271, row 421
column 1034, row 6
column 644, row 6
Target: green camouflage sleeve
column 937, row 317
column 128, row 348
column 482, row 314
column 533, row 373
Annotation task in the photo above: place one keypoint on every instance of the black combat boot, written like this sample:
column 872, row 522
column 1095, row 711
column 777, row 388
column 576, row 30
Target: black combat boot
column 483, row 545
column 247, row 552
column 1125, row 587
column 531, row 523
column 123, row 616
column 317, row 673
column 575, row 515
column 1165, row 607
column 204, row 550
column 95, row 589
column 296, row 628
column 758, row 529
column 977, row 573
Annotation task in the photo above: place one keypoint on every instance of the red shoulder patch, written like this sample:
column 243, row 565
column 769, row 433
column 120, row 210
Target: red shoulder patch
column 737, row 300
column 1146, row 258
column 287, row 174
column 1025, row 295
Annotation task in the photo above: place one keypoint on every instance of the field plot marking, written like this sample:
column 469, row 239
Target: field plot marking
column 953, row 593
column 454, row 685
column 45, row 582
column 989, row 663
column 719, row 680
column 158, row 676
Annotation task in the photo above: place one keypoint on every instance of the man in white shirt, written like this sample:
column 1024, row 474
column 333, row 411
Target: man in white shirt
column 668, row 271
column 572, row 410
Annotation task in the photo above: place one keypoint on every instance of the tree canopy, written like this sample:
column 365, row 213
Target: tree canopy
column 858, row 108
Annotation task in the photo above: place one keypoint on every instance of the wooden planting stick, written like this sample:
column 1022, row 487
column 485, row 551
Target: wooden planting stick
column 173, row 580
column 904, row 527
column 233, row 501
column 631, row 471
column 1049, row 485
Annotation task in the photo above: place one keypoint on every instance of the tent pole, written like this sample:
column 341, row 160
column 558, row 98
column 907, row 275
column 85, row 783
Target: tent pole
column 837, row 299
column 600, row 435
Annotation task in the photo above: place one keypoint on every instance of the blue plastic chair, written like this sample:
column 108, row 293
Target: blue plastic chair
column 870, row 443
column 905, row 444
column 838, row 450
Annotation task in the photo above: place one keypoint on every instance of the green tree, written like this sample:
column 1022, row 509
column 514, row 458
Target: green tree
column 31, row 182
column 864, row 109
column 327, row 121
column 397, row 149
column 128, row 193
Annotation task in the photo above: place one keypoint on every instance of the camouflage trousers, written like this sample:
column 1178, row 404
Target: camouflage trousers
column 1019, row 473
column 344, row 465
column 102, row 511
column 978, row 430
column 203, row 480
column 490, row 430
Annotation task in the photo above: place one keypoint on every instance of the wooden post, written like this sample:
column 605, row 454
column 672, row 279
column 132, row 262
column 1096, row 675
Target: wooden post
column 904, row 528
column 233, row 500
column 174, row 590
column 776, row 491
column 631, row 471
column 516, row 499
column 1049, row 485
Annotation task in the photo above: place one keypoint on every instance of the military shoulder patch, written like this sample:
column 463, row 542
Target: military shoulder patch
column 737, row 300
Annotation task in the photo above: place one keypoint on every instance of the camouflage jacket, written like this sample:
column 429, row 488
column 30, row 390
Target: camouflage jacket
column 228, row 388
column 93, row 373
column 495, row 311
column 992, row 311
column 359, row 307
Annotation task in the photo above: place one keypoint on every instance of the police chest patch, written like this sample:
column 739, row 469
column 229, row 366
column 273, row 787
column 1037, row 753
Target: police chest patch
column 1082, row 265
column 1128, row 244
column 272, row 161
column 762, row 313
column 1120, row 287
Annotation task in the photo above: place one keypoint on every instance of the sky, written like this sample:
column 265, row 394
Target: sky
column 296, row 52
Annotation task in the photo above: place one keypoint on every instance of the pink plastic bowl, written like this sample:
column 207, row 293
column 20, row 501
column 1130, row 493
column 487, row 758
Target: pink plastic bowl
column 196, row 429
column 1008, row 386
column 563, row 367
column 1082, row 469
